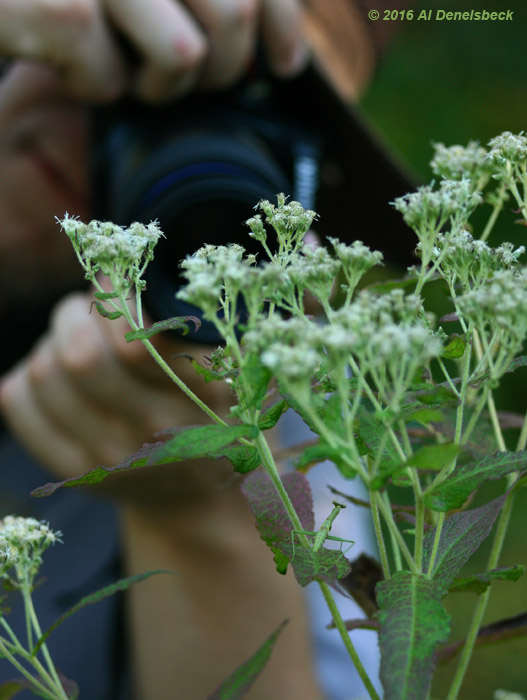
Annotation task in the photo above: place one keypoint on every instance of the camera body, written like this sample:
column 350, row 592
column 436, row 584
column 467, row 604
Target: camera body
column 200, row 165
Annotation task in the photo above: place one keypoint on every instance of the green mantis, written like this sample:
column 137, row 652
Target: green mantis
column 323, row 533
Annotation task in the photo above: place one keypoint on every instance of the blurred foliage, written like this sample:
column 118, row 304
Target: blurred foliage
column 451, row 82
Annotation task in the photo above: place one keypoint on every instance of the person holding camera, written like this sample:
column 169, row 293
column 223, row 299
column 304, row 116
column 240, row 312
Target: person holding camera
column 74, row 394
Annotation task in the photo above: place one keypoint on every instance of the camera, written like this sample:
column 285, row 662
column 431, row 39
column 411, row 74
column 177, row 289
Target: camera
column 200, row 165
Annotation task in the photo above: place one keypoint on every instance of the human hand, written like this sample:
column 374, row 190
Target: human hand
column 182, row 43
column 84, row 396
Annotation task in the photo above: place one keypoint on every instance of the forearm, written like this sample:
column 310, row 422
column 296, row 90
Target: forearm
column 192, row 629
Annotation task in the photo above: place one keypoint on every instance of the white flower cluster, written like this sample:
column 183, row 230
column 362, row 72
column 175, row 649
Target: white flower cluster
column 427, row 210
column 507, row 150
column 289, row 220
column 356, row 259
column 458, row 162
column 120, row 253
column 462, row 258
column 500, row 305
column 22, row 543
column 507, row 695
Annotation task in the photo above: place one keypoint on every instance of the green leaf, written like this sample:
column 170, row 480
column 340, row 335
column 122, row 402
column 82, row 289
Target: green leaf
column 324, row 565
column 237, row 684
column 455, row 348
column 314, row 454
column 270, row 418
column 434, row 456
column 95, row 597
column 413, row 623
column 193, row 443
column 438, row 395
column 10, row 689
column 461, row 535
column 188, row 443
column 455, row 490
column 104, row 296
column 424, row 416
column 243, row 458
column 209, row 375
column 272, row 520
column 371, row 432
column 480, row 582
column 112, row 315
column 257, row 378
column 177, row 323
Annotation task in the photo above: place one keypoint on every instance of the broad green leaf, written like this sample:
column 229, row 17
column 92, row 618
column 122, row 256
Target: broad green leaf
column 243, row 458
column 271, row 416
column 413, row 623
column 455, row 347
column 455, row 490
column 496, row 632
column 434, row 456
column 193, row 443
column 479, row 583
column 272, row 520
column 237, row 684
column 324, row 565
column 438, row 395
column 95, row 597
column 188, row 443
column 177, row 323
column 461, row 535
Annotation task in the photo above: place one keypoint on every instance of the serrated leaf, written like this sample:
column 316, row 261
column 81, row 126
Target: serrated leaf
column 461, row 535
column 188, row 443
column 496, row 632
column 121, row 585
column 272, row 520
column 434, row 456
column 413, row 623
column 323, row 565
column 193, row 443
column 455, row 347
column 243, row 458
column 271, row 416
column 237, row 684
column 478, row 583
column 455, row 490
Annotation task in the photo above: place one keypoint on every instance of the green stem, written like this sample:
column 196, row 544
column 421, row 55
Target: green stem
column 388, row 517
column 30, row 611
column 495, row 213
column 481, row 606
column 345, row 636
column 380, row 538
column 37, row 685
column 167, row 369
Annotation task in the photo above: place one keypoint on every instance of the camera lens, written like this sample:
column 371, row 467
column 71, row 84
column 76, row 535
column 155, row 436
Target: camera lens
column 201, row 185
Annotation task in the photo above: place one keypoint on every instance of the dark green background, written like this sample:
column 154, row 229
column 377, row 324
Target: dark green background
column 453, row 82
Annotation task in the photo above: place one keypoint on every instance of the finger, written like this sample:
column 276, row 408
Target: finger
column 71, row 35
column 282, row 36
column 231, row 28
column 171, row 44
column 40, row 435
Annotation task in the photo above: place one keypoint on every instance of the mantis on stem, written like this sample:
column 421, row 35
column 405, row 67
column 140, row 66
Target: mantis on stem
column 323, row 533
